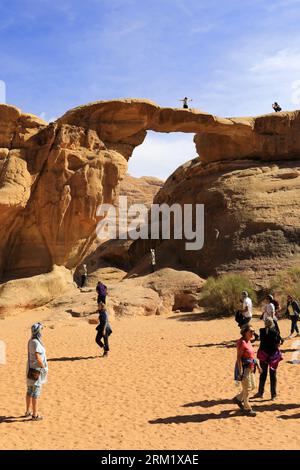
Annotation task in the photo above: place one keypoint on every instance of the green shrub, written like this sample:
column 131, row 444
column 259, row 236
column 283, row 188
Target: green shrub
column 286, row 282
column 223, row 294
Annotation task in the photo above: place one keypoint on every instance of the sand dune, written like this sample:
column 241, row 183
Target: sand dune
column 167, row 384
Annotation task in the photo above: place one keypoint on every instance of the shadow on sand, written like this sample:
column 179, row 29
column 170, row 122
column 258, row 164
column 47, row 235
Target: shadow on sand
column 71, row 359
column 208, row 403
column 289, row 350
column 296, row 416
column 200, row 418
column 201, row 316
column 14, row 419
column 224, row 344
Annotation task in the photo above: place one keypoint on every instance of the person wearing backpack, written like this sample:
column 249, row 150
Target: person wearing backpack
column 101, row 290
column 293, row 312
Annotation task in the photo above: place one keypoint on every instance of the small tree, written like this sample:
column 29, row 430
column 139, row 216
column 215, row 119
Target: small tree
column 223, row 294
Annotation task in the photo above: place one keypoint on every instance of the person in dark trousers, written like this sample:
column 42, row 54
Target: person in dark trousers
column 293, row 312
column 269, row 356
column 244, row 316
column 84, row 275
column 101, row 290
column 103, row 329
column 276, row 107
column 185, row 101
column 153, row 259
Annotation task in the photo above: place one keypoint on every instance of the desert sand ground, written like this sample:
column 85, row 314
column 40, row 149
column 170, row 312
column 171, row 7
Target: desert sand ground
column 167, row 384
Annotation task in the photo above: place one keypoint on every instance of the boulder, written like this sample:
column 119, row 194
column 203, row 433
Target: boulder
column 157, row 293
column 34, row 291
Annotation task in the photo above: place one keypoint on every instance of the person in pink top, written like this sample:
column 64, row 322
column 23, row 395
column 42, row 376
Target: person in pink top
column 245, row 369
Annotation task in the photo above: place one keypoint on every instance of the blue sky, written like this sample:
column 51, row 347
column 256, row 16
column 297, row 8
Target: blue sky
column 232, row 57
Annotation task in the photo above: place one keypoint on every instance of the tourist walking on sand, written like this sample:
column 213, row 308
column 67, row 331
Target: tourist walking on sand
column 185, row 101
column 101, row 290
column 84, row 275
column 103, row 329
column 37, row 370
column 269, row 311
column 269, row 356
column 276, row 304
column 247, row 307
column 293, row 312
column 245, row 316
column 245, row 369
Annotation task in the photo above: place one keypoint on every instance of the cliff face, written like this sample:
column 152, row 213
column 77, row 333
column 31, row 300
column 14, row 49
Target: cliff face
column 54, row 176
column 252, row 218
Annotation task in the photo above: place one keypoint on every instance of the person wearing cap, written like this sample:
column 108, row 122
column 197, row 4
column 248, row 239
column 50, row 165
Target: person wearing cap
column 269, row 356
column 245, row 369
column 37, row 370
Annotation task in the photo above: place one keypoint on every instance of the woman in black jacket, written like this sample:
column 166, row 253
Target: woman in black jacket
column 293, row 311
column 269, row 356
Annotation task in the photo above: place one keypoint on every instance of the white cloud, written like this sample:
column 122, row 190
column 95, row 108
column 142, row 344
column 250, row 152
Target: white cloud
column 161, row 154
column 282, row 60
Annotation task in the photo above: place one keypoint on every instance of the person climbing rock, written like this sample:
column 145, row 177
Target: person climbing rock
column 276, row 107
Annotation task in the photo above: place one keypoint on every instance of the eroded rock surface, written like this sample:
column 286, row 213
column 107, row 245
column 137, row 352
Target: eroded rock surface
column 54, row 176
column 252, row 218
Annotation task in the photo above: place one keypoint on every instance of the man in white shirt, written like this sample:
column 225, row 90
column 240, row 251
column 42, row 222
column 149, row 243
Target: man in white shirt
column 247, row 311
column 269, row 310
column 247, row 306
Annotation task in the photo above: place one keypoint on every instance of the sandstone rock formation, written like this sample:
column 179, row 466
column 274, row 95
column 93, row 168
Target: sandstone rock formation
column 35, row 291
column 140, row 190
column 157, row 293
column 54, row 176
column 116, row 252
column 252, row 218
column 123, row 124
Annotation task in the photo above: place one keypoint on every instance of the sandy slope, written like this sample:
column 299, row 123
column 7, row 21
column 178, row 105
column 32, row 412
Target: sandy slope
column 167, row 384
